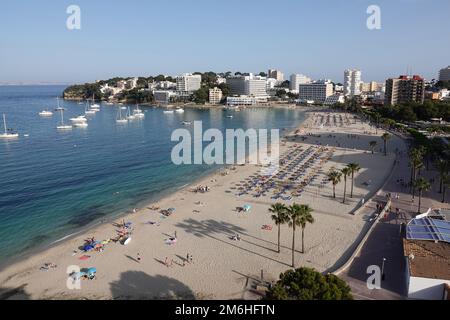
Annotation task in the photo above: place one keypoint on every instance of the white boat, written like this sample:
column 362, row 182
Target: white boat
column 168, row 111
column 58, row 108
column 63, row 126
column 90, row 110
column 119, row 117
column 230, row 117
column 80, row 124
column 186, row 123
column 7, row 135
column 129, row 115
column 79, row 119
column 94, row 105
column 179, row 110
column 138, row 113
column 46, row 113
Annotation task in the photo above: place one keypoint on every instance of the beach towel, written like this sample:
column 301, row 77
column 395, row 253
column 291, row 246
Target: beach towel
column 84, row 257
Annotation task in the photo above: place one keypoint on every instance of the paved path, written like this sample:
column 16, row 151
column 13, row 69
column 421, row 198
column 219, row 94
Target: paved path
column 385, row 241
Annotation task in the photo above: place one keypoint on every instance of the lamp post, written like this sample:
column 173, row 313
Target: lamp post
column 382, row 270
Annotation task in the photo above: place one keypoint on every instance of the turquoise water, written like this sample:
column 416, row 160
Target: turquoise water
column 53, row 184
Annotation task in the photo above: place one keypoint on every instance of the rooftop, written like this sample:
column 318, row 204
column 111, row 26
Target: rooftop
column 428, row 259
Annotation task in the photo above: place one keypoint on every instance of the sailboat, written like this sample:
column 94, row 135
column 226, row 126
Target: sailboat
column 7, row 135
column 62, row 126
column 94, row 105
column 129, row 115
column 138, row 113
column 89, row 110
column 58, row 108
column 119, row 117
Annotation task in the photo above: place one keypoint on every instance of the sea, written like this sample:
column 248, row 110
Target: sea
column 54, row 184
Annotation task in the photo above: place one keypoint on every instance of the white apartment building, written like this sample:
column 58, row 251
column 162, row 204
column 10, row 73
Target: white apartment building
column 444, row 74
column 276, row 74
column 189, row 82
column 271, row 83
column 221, row 80
column 352, row 82
column 248, row 85
column 296, row 80
column 215, row 95
column 317, row 91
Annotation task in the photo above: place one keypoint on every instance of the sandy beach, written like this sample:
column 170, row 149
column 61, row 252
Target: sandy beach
column 204, row 224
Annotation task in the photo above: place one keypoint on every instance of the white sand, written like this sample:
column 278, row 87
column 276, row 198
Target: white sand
column 222, row 268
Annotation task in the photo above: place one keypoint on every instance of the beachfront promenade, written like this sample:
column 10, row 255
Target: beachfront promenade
column 205, row 224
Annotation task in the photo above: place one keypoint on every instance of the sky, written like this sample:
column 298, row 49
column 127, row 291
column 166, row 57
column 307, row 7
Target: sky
column 318, row 38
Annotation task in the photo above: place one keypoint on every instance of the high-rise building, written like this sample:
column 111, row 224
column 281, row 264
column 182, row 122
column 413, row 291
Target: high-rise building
column 352, row 82
column 296, row 80
column 444, row 74
column 247, row 85
column 404, row 89
column 189, row 82
column 276, row 74
column 215, row 95
column 317, row 91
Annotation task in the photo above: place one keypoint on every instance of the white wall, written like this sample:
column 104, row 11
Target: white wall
column 424, row 288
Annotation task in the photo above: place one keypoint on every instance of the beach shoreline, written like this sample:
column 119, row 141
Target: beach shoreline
column 215, row 224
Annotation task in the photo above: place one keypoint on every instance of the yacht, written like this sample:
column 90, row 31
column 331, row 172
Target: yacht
column 80, row 124
column 129, row 115
column 179, row 110
column 6, row 134
column 58, row 108
column 94, row 106
column 138, row 113
column 168, row 111
column 186, row 123
column 119, row 117
column 46, row 113
column 90, row 110
column 63, row 126
column 79, row 119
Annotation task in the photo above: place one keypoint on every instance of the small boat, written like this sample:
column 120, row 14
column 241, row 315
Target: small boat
column 94, row 106
column 63, row 126
column 230, row 117
column 90, row 110
column 7, row 135
column 80, row 124
column 138, row 113
column 168, row 111
column 129, row 115
column 179, row 110
column 186, row 123
column 119, row 117
column 78, row 119
column 58, row 108
column 46, row 113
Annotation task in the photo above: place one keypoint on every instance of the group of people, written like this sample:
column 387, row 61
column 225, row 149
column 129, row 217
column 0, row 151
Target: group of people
column 202, row 189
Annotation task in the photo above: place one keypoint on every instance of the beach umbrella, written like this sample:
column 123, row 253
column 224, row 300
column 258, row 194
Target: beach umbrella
column 88, row 248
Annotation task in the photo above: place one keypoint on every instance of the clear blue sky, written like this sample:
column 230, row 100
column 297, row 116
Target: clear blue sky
column 319, row 38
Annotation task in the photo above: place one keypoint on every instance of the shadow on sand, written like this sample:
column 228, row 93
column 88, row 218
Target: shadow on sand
column 136, row 285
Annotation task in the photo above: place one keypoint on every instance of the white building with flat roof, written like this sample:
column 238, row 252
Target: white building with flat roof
column 248, row 85
column 215, row 95
column 317, row 91
column 296, row 80
column 352, row 82
column 189, row 82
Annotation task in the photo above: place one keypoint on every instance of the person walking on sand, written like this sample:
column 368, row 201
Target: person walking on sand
column 166, row 262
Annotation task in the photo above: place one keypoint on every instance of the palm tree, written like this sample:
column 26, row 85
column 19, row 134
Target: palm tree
column 386, row 136
column 442, row 166
column 354, row 167
column 345, row 172
column 335, row 177
column 422, row 185
column 415, row 160
column 372, row 145
column 299, row 215
column 279, row 217
column 305, row 217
